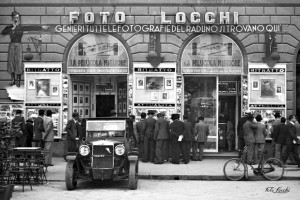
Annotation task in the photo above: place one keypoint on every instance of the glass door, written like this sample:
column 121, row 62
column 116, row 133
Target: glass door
column 200, row 99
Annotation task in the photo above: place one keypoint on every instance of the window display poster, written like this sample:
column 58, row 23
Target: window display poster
column 267, row 88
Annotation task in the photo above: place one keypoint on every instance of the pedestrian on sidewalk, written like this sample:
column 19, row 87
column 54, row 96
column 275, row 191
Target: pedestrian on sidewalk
column 176, row 134
column 139, row 128
column 229, row 133
column 38, row 129
column 249, row 131
column 201, row 131
column 161, row 137
column 29, row 128
column 48, row 137
column 186, row 142
column 260, row 135
column 148, row 132
column 72, row 132
column 291, row 141
column 134, row 135
column 272, row 132
column 19, row 121
column 240, row 130
column 280, row 138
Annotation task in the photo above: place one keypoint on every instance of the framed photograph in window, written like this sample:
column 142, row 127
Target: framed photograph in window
column 154, row 83
column 278, row 90
column 43, row 87
column 267, row 88
column 75, row 88
column 87, row 88
column 154, row 96
column 75, row 100
column 81, row 101
column 255, row 85
column 164, row 96
column 81, row 88
column 31, row 85
column 86, row 100
column 54, row 90
column 140, row 84
column 169, row 83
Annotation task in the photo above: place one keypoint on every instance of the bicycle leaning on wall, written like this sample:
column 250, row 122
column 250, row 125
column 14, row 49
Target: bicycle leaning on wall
column 237, row 168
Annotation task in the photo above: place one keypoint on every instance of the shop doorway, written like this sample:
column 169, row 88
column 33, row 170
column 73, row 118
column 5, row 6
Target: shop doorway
column 104, row 104
column 227, row 118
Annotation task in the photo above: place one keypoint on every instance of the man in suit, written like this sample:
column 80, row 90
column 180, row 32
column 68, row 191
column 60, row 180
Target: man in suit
column 19, row 120
column 260, row 135
column 148, row 132
column 291, row 140
column 139, row 128
column 185, row 144
column 176, row 134
column 72, row 132
column 280, row 137
column 161, row 137
column 201, row 131
column 38, row 129
column 29, row 128
column 249, row 131
column 272, row 130
column 48, row 137
column 241, row 141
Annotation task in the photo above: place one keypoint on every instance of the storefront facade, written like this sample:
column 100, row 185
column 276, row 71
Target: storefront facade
column 193, row 58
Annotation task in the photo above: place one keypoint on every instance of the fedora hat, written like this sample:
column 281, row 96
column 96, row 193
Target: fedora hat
column 151, row 112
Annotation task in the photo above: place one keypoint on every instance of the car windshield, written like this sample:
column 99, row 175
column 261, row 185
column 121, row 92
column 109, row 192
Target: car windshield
column 100, row 134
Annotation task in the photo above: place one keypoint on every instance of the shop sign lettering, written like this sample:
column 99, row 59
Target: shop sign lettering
column 154, row 69
column 92, row 70
column 42, row 104
column 266, row 105
column 43, row 69
column 180, row 17
column 267, row 70
column 154, row 104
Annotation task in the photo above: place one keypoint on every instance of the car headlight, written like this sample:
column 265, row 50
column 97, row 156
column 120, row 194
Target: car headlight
column 120, row 150
column 84, row 150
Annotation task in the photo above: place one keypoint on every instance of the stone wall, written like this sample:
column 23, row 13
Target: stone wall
column 53, row 45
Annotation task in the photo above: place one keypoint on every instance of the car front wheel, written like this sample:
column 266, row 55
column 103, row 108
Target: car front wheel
column 71, row 182
column 133, row 175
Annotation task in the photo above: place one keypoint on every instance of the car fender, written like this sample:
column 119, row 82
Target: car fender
column 71, row 156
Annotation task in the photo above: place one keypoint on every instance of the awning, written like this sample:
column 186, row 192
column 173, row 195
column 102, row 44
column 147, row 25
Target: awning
column 15, row 93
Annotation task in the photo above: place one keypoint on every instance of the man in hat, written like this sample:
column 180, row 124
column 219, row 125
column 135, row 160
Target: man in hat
column 72, row 132
column 48, row 137
column 241, row 141
column 38, row 129
column 249, row 129
column 19, row 119
column 139, row 128
column 272, row 132
column 176, row 134
column 29, row 128
column 186, row 142
column 148, row 132
column 161, row 137
column 201, row 131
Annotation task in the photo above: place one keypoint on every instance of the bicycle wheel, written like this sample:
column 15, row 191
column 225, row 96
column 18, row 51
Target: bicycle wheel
column 273, row 169
column 234, row 169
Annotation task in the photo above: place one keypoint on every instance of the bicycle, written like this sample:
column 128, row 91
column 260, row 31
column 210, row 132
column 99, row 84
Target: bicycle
column 237, row 168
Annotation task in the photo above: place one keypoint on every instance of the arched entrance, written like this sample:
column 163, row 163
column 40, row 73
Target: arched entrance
column 212, row 65
column 98, row 66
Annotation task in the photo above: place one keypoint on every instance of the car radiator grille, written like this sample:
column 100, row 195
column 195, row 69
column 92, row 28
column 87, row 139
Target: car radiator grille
column 103, row 156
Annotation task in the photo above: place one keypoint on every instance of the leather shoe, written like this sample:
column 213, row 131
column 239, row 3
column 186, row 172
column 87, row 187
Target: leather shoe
column 176, row 163
column 158, row 163
column 144, row 161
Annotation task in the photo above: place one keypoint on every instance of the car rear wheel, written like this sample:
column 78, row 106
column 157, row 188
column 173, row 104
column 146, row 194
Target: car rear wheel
column 71, row 182
column 133, row 175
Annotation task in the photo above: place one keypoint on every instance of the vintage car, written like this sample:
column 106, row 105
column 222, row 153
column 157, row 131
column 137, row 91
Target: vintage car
column 105, row 153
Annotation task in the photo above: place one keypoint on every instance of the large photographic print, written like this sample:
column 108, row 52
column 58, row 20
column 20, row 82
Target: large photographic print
column 267, row 87
column 154, row 83
column 42, row 87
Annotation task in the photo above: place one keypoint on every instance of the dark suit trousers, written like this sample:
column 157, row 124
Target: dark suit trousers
column 175, row 150
column 185, row 147
column 198, row 150
column 161, row 150
column 71, row 145
column 286, row 153
column 148, row 148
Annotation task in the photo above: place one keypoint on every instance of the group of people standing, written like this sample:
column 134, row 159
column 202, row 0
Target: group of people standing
column 284, row 137
column 36, row 133
column 159, row 140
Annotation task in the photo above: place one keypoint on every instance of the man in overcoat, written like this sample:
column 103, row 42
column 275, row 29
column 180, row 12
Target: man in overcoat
column 201, row 131
column 19, row 119
column 187, row 139
column 38, row 129
column 72, row 132
column 241, row 141
column 280, row 138
column 249, row 136
column 139, row 128
column 48, row 136
column 161, row 137
column 176, row 132
column 148, row 132
column 291, row 141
